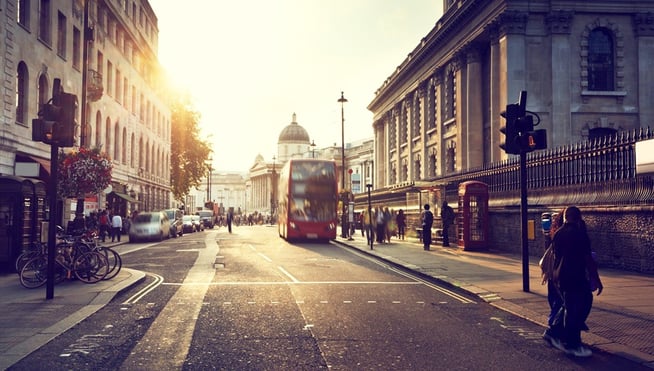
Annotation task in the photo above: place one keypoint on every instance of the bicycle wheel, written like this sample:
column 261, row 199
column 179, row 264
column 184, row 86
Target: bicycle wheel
column 115, row 262
column 90, row 267
column 24, row 257
column 34, row 273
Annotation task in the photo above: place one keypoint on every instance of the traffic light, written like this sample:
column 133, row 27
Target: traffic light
column 524, row 124
column 533, row 140
column 56, row 123
column 67, row 123
column 42, row 130
column 510, row 142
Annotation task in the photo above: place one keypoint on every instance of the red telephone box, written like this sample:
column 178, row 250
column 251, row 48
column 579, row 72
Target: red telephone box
column 472, row 218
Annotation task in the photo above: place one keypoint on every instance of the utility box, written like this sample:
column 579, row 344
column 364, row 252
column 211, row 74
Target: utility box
column 472, row 216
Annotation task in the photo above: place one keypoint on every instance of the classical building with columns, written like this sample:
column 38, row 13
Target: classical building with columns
column 293, row 142
column 585, row 67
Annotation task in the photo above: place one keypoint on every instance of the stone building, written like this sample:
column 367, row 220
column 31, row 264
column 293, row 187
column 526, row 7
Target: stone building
column 125, row 107
column 584, row 66
column 293, row 142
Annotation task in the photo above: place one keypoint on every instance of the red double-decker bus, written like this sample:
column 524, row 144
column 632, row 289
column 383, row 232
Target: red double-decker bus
column 308, row 199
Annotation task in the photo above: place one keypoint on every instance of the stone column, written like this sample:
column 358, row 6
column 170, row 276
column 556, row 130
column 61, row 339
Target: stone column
column 495, row 92
column 513, row 62
column 559, row 27
column 474, row 122
column 461, row 114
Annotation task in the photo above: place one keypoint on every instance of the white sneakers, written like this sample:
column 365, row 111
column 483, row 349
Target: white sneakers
column 580, row 351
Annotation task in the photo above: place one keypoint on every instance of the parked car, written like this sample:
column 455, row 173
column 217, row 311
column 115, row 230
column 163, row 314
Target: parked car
column 176, row 224
column 207, row 218
column 187, row 224
column 197, row 222
column 149, row 226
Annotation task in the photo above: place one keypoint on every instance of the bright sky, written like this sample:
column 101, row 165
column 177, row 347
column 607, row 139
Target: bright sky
column 251, row 64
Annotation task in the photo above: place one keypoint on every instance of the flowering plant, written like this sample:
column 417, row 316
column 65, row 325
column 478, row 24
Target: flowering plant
column 86, row 170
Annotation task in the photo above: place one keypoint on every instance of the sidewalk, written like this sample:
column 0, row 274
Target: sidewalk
column 621, row 321
column 29, row 321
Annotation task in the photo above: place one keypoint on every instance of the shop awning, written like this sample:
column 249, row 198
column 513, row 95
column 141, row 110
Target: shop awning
column 125, row 197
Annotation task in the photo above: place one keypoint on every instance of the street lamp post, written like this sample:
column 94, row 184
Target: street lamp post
column 272, row 193
column 344, row 228
column 210, row 169
column 313, row 149
column 369, row 226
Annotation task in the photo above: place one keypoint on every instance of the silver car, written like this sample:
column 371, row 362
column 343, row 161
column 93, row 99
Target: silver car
column 149, row 226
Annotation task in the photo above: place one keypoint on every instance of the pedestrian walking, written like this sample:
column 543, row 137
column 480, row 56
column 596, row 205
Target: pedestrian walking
column 367, row 223
column 400, row 220
column 427, row 222
column 380, row 224
column 554, row 299
column 388, row 224
column 103, row 222
column 574, row 270
column 229, row 221
column 447, row 218
column 116, row 227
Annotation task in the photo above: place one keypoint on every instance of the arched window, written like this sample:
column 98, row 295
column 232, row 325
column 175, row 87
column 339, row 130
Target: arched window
column 601, row 70
column 98, row 130
column 22, row 92
column 117, row 142
column 596, row 133
column 43, row 91
column 123, row 151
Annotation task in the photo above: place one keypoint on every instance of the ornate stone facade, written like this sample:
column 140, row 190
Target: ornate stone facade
column 126, row 113
column 584, row 69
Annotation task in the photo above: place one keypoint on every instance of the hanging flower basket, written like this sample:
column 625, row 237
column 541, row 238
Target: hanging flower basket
column 86, row 170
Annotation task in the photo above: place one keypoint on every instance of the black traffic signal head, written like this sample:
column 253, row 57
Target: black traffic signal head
column 510, row 142
column 56, row 123
column 524, row 124
column 533, row 140
column 42, row 130
column 65, row 136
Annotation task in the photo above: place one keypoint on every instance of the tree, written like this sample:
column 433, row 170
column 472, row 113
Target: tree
column 188, row 153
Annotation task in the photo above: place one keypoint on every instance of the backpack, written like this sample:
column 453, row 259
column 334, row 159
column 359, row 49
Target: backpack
column 547, row 265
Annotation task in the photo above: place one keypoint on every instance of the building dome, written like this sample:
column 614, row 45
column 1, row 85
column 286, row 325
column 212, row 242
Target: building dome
column 293, row 133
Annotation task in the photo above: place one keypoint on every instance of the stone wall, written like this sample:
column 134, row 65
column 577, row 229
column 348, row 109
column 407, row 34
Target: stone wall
column 622, row 237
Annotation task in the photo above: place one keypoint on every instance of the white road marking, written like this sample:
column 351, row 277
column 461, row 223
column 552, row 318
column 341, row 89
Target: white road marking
column 166, row 343
column 290, row 276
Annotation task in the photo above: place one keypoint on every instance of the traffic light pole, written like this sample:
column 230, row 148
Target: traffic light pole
column 523, row 221
column 52, row 222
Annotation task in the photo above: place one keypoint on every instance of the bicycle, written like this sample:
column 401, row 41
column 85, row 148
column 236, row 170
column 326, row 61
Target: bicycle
column 88, row 267
column 90, row 242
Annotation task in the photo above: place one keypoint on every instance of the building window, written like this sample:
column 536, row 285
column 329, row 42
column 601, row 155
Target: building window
column 431, row 167
column 77, row 48
column 449, row 95
column 99, row 63
column 22, row 92
column 392, row 132
column 98, row 129
column 44, row 93
column 110, row 78
column 415, row 120
column 404, row 123
column 23, row 13
column 44, row 22
column 61, row 35
column 597, row 133
column 601, row 69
